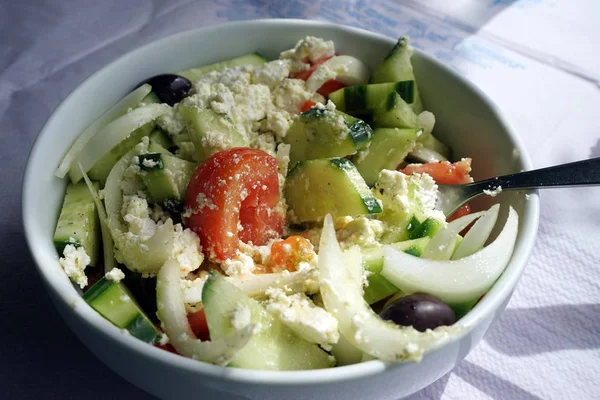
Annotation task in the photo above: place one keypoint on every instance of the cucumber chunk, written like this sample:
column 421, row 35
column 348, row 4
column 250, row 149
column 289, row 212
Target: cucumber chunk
column 115, row 303
column 428, row 228
column 394, row 113
column 388, row 148
column 378, row 288
column 151, row 98
column 101, row 169
column 166, row 178
column 193, row 74
column 211, row 132
column 315, row 188
column 326, row 133
column 396, row 66
column 358, row 100
column 372, row 258
column 159, row 137
column 78, row 222
column 273, row 347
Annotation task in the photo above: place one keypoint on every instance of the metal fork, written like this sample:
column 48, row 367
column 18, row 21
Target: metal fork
column 578, row 173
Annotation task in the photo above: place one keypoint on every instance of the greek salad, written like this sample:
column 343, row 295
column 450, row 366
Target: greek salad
column 276, row 214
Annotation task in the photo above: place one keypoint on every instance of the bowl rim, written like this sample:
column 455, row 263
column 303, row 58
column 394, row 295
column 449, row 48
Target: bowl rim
column 501, row 290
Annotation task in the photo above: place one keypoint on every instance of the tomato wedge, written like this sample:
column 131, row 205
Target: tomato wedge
column 329, row 87
column 308, row 104
column 233, row 196
column 461, row 212
column 444, row 172
column 197, row 321
column 304, row 75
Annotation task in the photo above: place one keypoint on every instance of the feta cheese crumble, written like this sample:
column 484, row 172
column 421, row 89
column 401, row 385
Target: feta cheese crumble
column 241, row 264
column 493, row 193
column 301, row 315
column 73, row 262
column 115, row 275
column 240, row 317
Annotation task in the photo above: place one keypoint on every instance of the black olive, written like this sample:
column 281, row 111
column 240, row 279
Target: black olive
column 419, row 310
column 170, row 88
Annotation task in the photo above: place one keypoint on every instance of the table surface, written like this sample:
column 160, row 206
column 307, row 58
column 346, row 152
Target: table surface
column 535, row 58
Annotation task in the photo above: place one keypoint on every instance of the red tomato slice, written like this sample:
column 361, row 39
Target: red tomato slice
column 329, row 87
column 304, row 75
column 308, row 104
column 167, row 347
column 443, row 172
column 234, row 186
column 197, row 321
column 461, row 212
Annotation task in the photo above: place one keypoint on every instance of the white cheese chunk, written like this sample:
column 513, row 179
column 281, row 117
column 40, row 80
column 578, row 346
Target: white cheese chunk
column 240, row 317
column 301, row 315
column 115, row 275
column 73, row 262
column 310, row 49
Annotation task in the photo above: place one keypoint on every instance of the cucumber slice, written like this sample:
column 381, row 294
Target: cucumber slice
column 107, row 241
column 372, row 258
column 394, row 113
column 358, row 100
column 78, row 222
column 378, row 287
column 396, row 66
column 151, row 98
column 100, row 170
column 273, row 347
column 211, row 132
column 159, row 137
column 115, row 303
column 166, row 178
column 315, row 188
column 388, row 148
column 193, row 74
column 325, row 133
column 428, row 228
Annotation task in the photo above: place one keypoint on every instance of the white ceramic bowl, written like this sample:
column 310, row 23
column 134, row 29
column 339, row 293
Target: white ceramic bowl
column 466, row 119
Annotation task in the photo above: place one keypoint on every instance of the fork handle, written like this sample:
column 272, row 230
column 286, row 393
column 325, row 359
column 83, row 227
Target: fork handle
column 578, row 173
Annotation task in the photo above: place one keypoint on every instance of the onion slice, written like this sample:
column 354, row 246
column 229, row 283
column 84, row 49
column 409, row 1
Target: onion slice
column 255, row 285
column 348, row 70
column 172, row 314
column 442, row 245
column 341, row 288
column 112, row 134
column 116, row 111
column 458, row 281
column 478, row 234
column 156, row 249
column 107, row 242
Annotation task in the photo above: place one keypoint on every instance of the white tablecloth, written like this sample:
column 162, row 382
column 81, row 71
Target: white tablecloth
column 537, row 59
